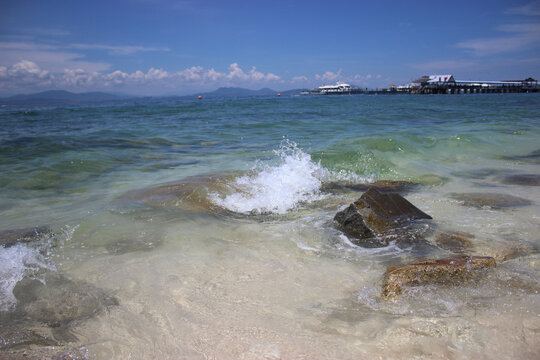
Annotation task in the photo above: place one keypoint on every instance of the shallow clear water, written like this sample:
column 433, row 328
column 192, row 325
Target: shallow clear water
column 210, row 223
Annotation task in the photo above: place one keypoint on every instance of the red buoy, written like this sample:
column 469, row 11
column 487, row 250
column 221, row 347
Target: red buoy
column 199, row 97
column 278, row 94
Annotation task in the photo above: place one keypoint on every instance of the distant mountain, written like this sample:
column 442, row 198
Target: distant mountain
column 236, row 91
column 56, row 96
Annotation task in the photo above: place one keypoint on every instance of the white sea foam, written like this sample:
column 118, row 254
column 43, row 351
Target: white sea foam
column 16, row 262
column 277, row 188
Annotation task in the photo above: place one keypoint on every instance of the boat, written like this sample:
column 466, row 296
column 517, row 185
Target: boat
column 338, row 88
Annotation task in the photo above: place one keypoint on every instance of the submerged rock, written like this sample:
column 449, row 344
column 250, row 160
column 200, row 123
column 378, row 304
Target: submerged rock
column 492, row 200
column 454, row 241
column 507, row 250
column 533, row 157
column 190, row 194
column 41, row 325
column 59, row 301
column 381, row 185
column 23, row 334
column 50, row 352
column 14, row 236
column 522, row 179
column 432, row 179
column 449, row 271
column 479, row 174
column 376, row 214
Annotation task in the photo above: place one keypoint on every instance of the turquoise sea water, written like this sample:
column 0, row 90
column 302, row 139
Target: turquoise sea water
column 209, row 222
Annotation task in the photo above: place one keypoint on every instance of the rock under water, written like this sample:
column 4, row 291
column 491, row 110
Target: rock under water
column 59, row 301
column 522, row 179
column 14, row 236
column 190, row 193
column 449, row 271
column 454, row 241
column 492, row 200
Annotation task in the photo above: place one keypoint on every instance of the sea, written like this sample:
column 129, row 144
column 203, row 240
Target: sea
column 179, row 228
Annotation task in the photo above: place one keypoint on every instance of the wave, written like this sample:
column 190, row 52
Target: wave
column 16, row 262
column 294, row 180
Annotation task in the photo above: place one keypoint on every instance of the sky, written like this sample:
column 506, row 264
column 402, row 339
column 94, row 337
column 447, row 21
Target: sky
column 179, row 47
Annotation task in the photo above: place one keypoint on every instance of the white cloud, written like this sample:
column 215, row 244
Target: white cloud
column 236, row 73
column 56, row 58
column 531, row 9
column 28, row 74
column 117, row 50
column 53, row 58
column 24, row 73
column 299, row 78
column 272, row 77
column 519, row 37
column 329, row 76
column 27, row 68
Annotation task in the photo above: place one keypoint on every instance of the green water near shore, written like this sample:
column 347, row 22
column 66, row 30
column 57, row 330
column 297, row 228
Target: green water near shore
column 238, row 259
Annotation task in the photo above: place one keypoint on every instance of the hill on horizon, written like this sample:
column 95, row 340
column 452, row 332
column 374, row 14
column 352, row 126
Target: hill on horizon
column 64, row 96
column 60, row 96
column 237, row 91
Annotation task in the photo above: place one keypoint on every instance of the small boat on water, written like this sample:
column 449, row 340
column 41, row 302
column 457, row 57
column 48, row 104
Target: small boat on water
column 338, row 89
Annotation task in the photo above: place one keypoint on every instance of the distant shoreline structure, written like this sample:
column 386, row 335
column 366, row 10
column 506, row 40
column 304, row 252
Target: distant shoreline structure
column 435, row 84
column 446, row 84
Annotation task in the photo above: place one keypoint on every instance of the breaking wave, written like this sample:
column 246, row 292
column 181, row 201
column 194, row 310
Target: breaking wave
column 296, row 179
column 16, row 262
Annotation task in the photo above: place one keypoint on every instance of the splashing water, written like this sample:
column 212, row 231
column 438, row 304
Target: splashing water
column 15, row 263
column 277, row 189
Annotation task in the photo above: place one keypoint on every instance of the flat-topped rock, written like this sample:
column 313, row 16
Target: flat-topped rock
column 522, row 179
column 376, row 214
column 190, row 193
column 14, row 236
column 507, row 250
column 59, row 301
column 454, row 241
column 492, row 200
column 483, row 173
column 449, row 271
column 23, row 334
column 533, row 157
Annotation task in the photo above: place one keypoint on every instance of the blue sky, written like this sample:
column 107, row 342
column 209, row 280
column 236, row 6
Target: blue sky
column 166, row 47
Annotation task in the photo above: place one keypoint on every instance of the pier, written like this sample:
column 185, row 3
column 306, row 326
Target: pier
column 446, row 84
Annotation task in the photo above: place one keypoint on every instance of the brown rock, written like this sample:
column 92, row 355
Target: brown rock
column 385, row 211
column 11, row 237
column 59, row 301
column 451, row 271
column 376, row 214
column 492, row 200
column 352, row 223
column 508, row 250
column 190, row 194
column 522, row 179
column 454, row 241
column 533, row 157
